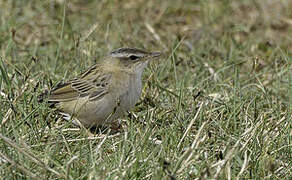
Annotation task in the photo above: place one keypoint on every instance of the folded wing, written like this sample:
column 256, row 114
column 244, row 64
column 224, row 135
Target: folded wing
column 92, row 83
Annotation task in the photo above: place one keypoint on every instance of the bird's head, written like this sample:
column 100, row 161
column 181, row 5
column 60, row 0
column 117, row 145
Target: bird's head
column 133, row 57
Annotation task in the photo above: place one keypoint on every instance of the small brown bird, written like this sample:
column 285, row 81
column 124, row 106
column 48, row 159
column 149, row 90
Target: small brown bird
column 106, row 90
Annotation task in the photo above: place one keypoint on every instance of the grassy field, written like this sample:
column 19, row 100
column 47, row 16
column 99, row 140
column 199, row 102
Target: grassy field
column 217, row 105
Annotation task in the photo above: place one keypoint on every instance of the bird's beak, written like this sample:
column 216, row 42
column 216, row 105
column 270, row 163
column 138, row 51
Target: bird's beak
column 155, row 54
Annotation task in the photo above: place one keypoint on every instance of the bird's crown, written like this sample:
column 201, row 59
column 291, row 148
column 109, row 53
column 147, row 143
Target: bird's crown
column 132, row 54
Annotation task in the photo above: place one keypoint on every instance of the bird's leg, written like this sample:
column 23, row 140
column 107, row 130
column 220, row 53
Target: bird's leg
column 115, row 125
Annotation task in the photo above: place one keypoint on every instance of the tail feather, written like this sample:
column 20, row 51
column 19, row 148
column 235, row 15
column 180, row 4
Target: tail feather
column 62, row 92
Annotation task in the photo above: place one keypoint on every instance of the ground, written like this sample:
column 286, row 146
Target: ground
column 217, row 105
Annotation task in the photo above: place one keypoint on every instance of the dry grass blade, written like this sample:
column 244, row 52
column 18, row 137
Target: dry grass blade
column 69, row 165
column 230, row 154
column 23, row 169
column 244, row 165
column 186, row 157
column 9, row 112
column 156, row 36
column 78, row 139
column 102, row 141
column 31, row 156
column 88, row 33
column 211, row 71
column 3, row 94
column 190, row 125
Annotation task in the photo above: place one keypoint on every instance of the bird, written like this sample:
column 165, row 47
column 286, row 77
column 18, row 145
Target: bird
column 105, row 91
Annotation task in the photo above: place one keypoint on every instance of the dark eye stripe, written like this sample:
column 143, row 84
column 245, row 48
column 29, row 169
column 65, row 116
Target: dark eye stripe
column 133, row 57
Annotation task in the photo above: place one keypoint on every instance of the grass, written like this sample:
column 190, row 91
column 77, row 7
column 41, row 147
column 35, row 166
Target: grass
column 216, row 106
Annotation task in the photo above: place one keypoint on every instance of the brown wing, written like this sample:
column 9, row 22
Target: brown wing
column 93, row 83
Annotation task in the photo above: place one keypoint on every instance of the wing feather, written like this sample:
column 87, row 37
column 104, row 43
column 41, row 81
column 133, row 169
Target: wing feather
column 92, row 84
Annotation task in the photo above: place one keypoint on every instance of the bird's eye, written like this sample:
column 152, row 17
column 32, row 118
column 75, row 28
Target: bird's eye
column 133, row 57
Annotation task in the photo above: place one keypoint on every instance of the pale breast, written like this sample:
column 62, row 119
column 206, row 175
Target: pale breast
column 132, row 95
